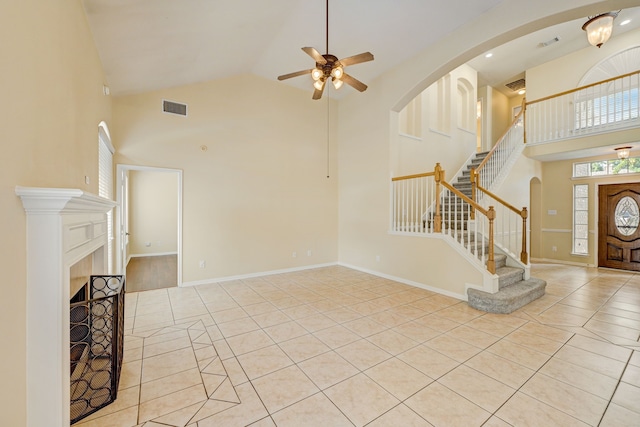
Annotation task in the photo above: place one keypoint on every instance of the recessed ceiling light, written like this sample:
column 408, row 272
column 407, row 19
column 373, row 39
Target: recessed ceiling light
column 625, row 22
column 488, row 55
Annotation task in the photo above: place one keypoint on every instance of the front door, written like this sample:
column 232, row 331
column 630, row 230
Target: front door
column 619, row 234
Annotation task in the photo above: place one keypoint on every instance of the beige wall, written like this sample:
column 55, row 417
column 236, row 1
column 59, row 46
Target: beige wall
column 153, row 212
column 557, row 194
column 260, row 191
column 51, row 85
column 545, row 80
column 501, row 117
column 365, row 128
column 556, row 182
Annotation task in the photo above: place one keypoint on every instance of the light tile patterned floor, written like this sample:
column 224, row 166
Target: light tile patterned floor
column 338, row 347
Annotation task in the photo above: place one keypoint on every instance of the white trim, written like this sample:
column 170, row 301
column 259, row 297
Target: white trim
column 120, row 168
column 63, row 226
column 559, row 261
column 152, row 254
column 259, row 274
column 409, row 136
column 408, row 282
column 556, row 230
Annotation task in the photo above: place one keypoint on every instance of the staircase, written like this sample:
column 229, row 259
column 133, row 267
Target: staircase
column 514, row 290
column 463, row 184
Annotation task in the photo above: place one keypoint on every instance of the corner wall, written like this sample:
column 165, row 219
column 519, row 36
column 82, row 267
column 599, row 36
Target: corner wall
column 254, row 159
column 53, row 102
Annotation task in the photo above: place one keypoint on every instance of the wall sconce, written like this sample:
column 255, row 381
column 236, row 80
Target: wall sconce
column 599, row 28
column 623, row 152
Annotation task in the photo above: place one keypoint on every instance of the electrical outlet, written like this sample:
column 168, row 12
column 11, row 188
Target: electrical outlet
column 554, row 249
column 203, row 263
column 309, row 252
column 377, row 258
column 294, row 255
column 147, row 244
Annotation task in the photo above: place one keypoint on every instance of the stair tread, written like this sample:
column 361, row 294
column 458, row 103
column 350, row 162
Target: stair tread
column 507, row 271
column 509, row 298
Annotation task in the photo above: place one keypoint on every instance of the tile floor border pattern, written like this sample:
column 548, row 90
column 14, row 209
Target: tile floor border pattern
column 334, row 346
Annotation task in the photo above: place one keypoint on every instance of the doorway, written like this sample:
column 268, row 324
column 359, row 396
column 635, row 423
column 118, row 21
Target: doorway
column 618, row 231
column 149, row 226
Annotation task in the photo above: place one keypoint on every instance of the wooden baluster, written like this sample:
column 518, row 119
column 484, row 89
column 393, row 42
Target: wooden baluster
column 437, row 218
column 524, row 256
column 491, row 263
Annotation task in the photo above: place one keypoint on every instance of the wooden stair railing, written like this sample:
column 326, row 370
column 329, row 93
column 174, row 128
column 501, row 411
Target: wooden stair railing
column 440, row 183
column 523, row 213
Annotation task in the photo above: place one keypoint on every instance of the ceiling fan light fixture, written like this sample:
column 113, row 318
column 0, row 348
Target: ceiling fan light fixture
column 337, row 83
column 599, row 28
column 319, row 84
column 337, row 72
column 316, row 74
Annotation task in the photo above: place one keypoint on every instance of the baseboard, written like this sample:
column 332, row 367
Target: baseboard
column 152, row 254
column 407, row 282
column 558, row 261
column 253, row 275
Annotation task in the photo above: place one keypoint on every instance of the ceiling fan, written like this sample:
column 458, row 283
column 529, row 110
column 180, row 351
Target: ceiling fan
column 330, row 67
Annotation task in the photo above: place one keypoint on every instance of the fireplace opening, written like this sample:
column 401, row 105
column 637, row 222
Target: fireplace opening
column 96, row 327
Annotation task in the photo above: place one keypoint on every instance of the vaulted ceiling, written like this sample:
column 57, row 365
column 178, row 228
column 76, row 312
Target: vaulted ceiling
column 152, row 44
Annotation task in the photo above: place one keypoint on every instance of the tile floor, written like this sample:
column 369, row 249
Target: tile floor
column 338, row 347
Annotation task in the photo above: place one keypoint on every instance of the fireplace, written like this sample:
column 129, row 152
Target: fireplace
column 65, row 228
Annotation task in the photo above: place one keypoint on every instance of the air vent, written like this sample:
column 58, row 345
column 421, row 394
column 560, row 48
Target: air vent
column 174, row 108
column 516, row 85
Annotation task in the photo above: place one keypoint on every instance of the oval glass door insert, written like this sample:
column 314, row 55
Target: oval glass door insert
column 627, row 215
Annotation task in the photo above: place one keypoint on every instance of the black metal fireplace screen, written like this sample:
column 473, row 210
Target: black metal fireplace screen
column 97, row 338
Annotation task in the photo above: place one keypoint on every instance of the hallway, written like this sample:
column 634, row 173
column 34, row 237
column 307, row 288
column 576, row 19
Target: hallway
column 152, row 272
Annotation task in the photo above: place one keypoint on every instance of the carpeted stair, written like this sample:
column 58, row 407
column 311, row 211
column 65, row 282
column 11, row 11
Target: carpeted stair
column 514, row 292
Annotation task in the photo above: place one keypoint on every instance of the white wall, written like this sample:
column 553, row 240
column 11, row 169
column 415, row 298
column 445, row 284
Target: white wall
column 451, row 147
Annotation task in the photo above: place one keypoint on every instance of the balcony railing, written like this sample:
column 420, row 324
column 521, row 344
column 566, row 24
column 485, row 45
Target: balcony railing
column 596, row 108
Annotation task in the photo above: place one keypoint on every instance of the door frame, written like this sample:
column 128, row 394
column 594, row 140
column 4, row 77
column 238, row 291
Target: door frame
column 122, row 169
column 596, row 229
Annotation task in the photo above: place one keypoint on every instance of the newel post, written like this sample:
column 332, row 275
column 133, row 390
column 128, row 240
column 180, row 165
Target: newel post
column 491, row 263
column 524, row 256
column 438, row 176
column 474, row 180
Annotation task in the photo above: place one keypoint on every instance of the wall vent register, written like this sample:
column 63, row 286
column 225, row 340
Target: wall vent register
column 174, row 108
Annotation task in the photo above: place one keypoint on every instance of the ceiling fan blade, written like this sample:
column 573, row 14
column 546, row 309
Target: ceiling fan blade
column 317, row 93
column 296, row 74
column 315, row 55
column 357, row 59
column 355, row 83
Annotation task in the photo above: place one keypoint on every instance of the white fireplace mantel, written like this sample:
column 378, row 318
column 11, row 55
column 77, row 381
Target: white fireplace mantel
column 63, row 226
